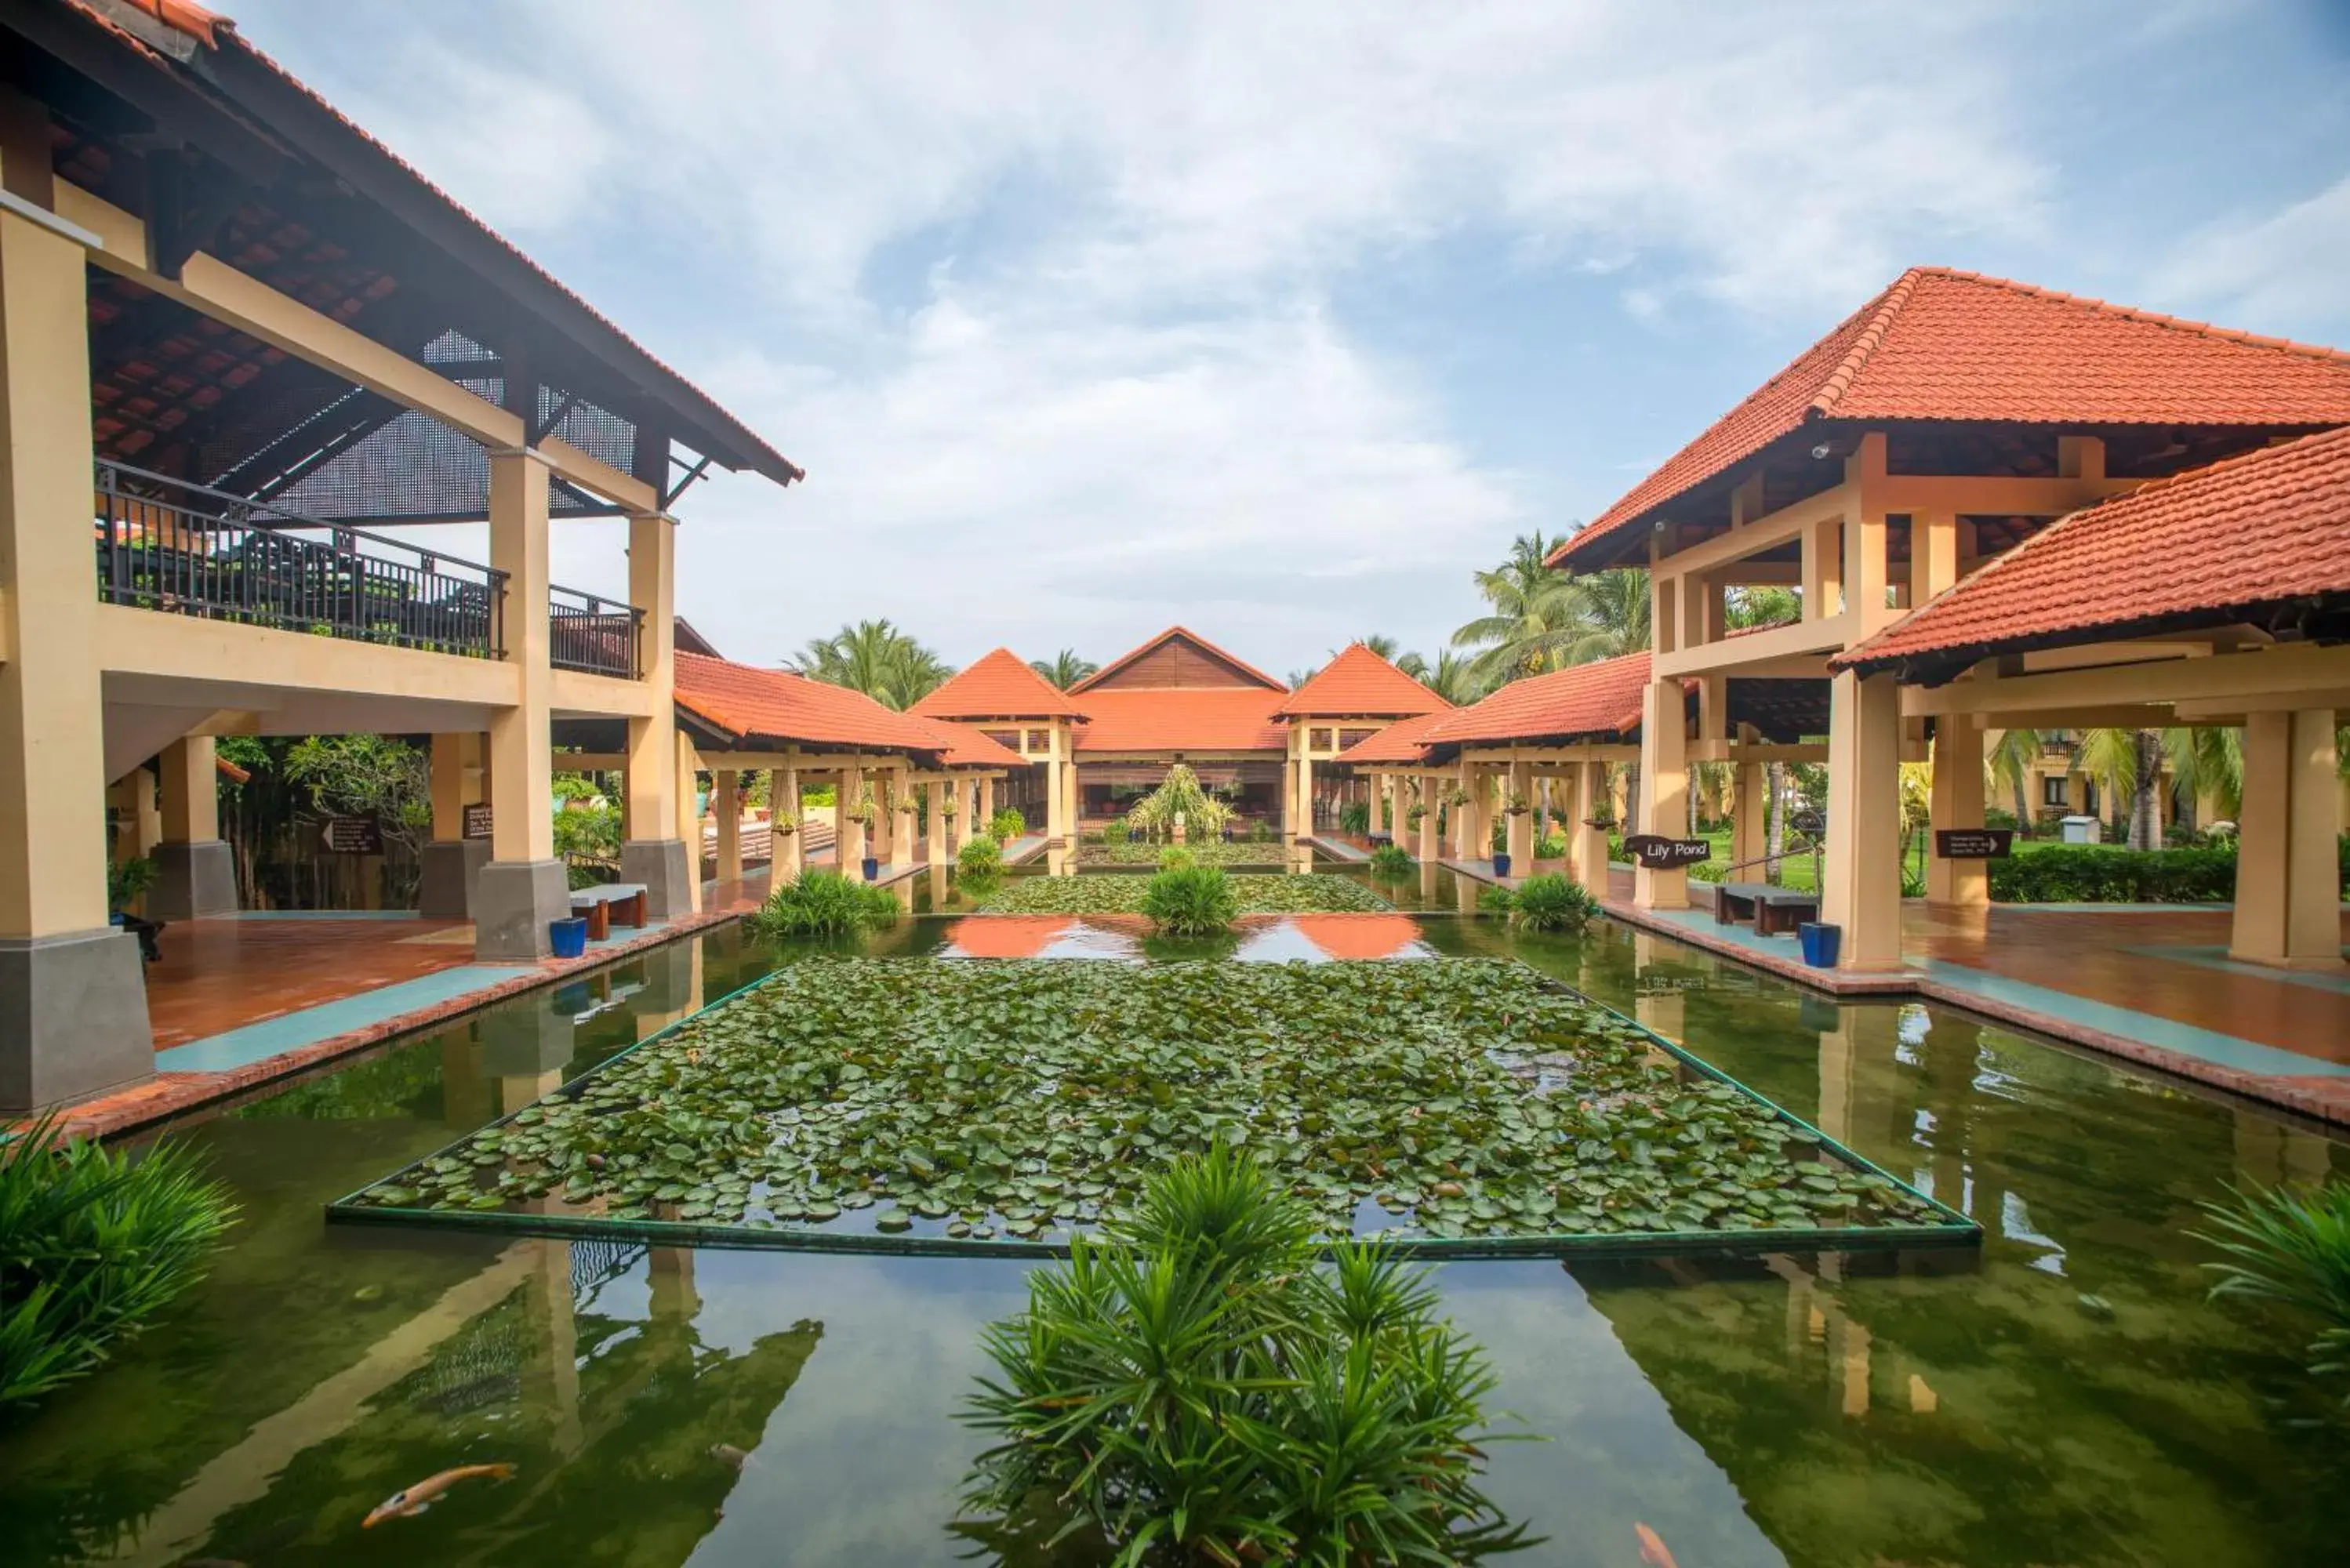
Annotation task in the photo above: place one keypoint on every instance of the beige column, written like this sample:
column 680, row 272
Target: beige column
column 195, row 872
column 1587, row 846
column 449, row 787
column 1427, row 851
column 669, row 866
column 901, row 842
column 522, row 888
column 936, row 794
column 1521, row 826
column 986, row 809
column 1056, row 800
column 1305, row 826
column 847, row 833
column 1750, row 824
column 2288, row 887
column 1664, row 790
column 191, row 803
column 1860, row 869
column 1289, row 794
column 784, row 807
column 1957, row 802
column 1072, row 807
column 725, row 803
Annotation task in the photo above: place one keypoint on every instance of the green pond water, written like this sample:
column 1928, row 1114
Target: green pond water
column 2066, row 1397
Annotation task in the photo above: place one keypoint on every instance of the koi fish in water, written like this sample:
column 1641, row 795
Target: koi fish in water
column 412, row 1501
column 1653, row 1550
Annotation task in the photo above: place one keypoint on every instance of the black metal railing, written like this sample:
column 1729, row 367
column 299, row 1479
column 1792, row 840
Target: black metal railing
column 164, row 543
column 593, row 635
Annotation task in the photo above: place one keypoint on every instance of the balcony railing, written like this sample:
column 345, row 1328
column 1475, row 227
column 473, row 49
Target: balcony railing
column 164, row 543
column 593, row 635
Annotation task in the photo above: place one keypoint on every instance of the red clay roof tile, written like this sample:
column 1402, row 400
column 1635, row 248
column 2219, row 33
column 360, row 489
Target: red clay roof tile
column 2212, row 545
column 965, row 746
column 779, row 705
column 1184, row 718
column 1360, row 684
column 1942, row 344
column 1600, row 700
column 997, row 685
column 1401, row 741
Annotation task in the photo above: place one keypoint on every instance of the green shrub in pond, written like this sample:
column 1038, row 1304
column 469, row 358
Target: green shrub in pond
column 1354, row 816
column 1551, row 903
column 1116, row 831
column 1260, row 832
column 93, row 1244
column 1176, row 859
column 978, row 858
column 1007, row 824
column 1494, row 899
column 1194, row 1387
column 1191, row 901
column 1390, row 860
column 823, row 904
column 2292, row 1247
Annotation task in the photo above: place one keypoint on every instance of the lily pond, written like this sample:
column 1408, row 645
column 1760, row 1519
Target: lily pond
column 2062, row 1394
column 1120, row 893
column 1449, row 1100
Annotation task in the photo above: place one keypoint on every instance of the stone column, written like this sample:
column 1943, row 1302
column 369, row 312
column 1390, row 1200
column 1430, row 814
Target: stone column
column 1587, row 844
column 784, row 807
column 986, row 809
column 1957, row 802
column 1305, row 824
column 668, row 865
column 1072, row 812
column 1664, row 790
column 522, row 888
column 726, row 802
column 1750, row 823
column 1428, row 850
column 689, row 834
column 1521, row 826
column 1289, row 794
column 936, row 794
column 2288, row 887
column 901, row 842
column 1056, row 800
column 195, row 873
column 847, row 833
column 73, row 999
column 452, row 861
column 1860, row 870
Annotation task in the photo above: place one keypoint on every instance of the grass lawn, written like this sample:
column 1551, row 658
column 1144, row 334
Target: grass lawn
column 1461, row 1097
column 1121, row 894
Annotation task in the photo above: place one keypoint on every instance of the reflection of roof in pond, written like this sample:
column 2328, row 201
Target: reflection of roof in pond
column 1359, row 936
column 1007, row 935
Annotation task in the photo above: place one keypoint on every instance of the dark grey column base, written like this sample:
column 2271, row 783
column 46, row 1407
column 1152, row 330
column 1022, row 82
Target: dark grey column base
column 513, row 903
column 449, row 867
column 193, row 878
column 660, row 863
column 73, row 1018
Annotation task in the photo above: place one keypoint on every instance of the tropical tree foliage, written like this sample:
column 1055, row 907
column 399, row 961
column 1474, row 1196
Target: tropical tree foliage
column 1179, row 794
column 1065, row 669
column 876, row 658
column 1540, row 618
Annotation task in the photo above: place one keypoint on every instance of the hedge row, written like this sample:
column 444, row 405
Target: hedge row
column 2086, row 874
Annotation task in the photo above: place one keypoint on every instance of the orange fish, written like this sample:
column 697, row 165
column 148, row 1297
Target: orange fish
column 412, row 1501
column 1652, row 1548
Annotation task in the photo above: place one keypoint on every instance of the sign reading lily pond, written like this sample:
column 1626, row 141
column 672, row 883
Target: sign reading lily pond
column 1975, row 843
column 352, row 835
column 1657, row 852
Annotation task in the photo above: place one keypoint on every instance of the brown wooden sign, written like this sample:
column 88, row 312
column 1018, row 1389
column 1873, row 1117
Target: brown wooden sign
column 352, row 835
column 477, row 821
column 1975, row 843
column 1657, row 852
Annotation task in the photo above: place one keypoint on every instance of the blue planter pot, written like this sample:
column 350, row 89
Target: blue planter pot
column 1501, row 864
column 872, row 869
column 569, row 937
column 1822, row 943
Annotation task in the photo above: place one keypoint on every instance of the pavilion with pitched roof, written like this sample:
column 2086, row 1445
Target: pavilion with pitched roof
column 1889, row 475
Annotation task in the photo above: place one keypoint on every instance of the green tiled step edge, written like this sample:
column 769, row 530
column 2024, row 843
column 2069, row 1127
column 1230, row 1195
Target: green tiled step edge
column 1956, row 1231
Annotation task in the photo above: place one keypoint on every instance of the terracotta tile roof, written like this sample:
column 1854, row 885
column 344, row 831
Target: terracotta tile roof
column 1942, row 344
column 219, row 34
column 1184, row 718
column 1360, row 684
column 963, row 746
column 1400, row 741
column 997, row 685
column 1358, row 937
column 1171, row 634
column 1600, row 700
column 2235, row 541
column 778, row 706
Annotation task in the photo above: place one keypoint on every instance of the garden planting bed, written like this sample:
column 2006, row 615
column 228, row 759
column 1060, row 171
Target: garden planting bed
column 1121, row 894
column 1469, row 1106
column 1143, row 856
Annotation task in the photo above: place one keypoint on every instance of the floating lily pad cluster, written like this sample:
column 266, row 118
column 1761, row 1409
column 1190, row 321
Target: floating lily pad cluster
column 1203, row 852
column 1117, row 893
column 1444, row 1098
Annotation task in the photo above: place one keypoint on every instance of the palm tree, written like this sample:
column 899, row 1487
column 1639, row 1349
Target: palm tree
column 2127, row 764
column 1384, row 646
column 1530, row 614
column 875, row 658
column 2010, row 763
column 2206, row 760
column 1065, row 669
column 1744, row 607
column 1613, row 607
column 1448, row 677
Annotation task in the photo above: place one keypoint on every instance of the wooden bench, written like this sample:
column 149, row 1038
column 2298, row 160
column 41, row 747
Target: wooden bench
column 609, row 904
column 1773, row 911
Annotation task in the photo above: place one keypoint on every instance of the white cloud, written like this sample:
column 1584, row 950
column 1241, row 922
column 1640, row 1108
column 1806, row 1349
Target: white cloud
column 2287, row 267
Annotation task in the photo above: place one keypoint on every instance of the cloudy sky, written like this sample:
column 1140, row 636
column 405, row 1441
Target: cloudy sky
column 1276, row 320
